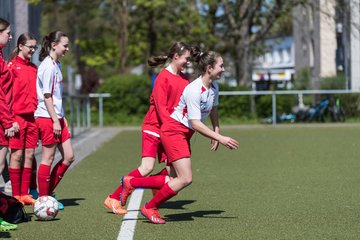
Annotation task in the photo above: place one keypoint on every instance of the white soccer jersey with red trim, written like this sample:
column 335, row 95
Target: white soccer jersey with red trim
column 49, row 80
column 196, row 102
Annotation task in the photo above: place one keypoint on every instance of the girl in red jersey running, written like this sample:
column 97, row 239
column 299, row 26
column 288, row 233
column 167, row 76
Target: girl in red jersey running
column 49, row 113
column 199, row 100
column 24, row 142
column 178, row 55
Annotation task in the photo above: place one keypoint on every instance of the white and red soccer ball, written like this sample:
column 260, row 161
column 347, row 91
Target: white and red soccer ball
column 46, row 208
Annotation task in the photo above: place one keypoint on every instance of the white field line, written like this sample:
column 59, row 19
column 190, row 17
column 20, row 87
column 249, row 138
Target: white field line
column 127, row 229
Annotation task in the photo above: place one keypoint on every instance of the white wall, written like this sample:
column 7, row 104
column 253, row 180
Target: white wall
column 355, row 44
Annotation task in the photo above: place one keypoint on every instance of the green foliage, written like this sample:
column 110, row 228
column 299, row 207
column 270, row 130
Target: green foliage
column 302, row 79
column 336, row 82
column 284, row 103
column 234, row 106
column 129, row 97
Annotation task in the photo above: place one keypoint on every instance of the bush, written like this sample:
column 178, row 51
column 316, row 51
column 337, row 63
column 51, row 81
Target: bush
column 129, row 98
column 336, row 82
column 234, row 106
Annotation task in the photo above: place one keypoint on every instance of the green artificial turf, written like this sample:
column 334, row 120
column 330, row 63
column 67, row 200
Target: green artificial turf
column 282, row 183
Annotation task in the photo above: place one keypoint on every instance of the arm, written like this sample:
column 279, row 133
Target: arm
column 47, row 77
column 6, row 119
column 214, row 117
column 51, row 110
column 207, row 132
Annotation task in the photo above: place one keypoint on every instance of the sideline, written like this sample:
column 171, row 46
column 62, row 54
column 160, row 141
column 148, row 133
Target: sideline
column 128, row 225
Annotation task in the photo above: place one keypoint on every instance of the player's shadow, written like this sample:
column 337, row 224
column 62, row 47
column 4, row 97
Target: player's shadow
column 70, row 201
column 189, row 216
column 5, row 235
column 177, row 204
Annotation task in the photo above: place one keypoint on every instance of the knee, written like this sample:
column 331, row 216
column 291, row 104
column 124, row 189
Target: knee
column 16, row 156
column 70, row 159
column 146, row 169
column 186, row 181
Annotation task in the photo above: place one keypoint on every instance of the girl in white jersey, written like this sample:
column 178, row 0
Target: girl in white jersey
column 50, row 113
column 198, row 101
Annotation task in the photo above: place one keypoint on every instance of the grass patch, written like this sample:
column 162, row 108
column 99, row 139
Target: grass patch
column 283, row 183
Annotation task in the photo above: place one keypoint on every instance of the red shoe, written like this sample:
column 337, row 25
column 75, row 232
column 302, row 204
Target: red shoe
column 28, row 200
column 127, row 189
column 153, row 215
column 114, row 206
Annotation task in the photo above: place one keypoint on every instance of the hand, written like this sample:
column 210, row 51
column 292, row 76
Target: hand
column 10, row 132
column 57, row 129
column 229, row 142
column 16, row 126
column 214, row 145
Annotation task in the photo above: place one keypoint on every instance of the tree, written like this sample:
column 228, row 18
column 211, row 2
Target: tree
column 120, row 18
column 248, row 22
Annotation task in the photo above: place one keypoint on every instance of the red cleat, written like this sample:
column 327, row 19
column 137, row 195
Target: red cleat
column 127, row 189
column 153, row 215
column 114, row 206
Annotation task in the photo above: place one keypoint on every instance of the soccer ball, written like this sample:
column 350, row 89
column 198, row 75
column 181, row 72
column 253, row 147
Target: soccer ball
column 46, row 208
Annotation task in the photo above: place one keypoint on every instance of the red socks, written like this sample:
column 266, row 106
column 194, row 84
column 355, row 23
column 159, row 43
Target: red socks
column 164, row 194
column 44, row 179
column 15, row 178
column 116, row 194
column 57, row 174
column 153, row 182
column 162, row 172
column 25, row 181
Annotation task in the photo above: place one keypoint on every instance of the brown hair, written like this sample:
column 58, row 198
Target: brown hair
column 204, row 59
column 3, row 24
column 178, row 47
column 55, row 37
column 23, row 38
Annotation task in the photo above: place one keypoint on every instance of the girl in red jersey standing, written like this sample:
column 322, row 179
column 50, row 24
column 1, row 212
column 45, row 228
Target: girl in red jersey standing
column 49, row 113
column 8, row 127
column 178, row 56
column 24, row 142
column 198, row 101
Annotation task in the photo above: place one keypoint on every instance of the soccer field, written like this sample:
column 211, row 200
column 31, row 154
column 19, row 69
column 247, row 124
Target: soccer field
column 282, row 183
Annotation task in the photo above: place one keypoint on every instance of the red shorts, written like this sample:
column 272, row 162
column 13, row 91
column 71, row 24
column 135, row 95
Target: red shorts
column 4, row 141
column 28, row 135
column 176, row 141
column 151, row 146
column 47, row 137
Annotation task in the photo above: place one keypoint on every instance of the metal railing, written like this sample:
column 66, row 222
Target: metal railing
column 283, row 92
column 79, row 112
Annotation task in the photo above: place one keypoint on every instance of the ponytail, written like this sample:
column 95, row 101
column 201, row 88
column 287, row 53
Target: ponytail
column 178, row 47
column 45, row 48
column 55, row 37
column 157, row 61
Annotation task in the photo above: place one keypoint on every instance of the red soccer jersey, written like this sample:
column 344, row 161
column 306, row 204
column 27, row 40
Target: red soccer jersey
column 24, row 86
column 167, row 92
column 151, row 121
column 5, row 93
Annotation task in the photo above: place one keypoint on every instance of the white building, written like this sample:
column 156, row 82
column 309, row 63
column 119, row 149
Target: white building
column 276, row 65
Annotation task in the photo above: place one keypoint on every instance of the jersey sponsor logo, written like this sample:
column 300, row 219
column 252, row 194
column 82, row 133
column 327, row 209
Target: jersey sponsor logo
column 184, row 112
